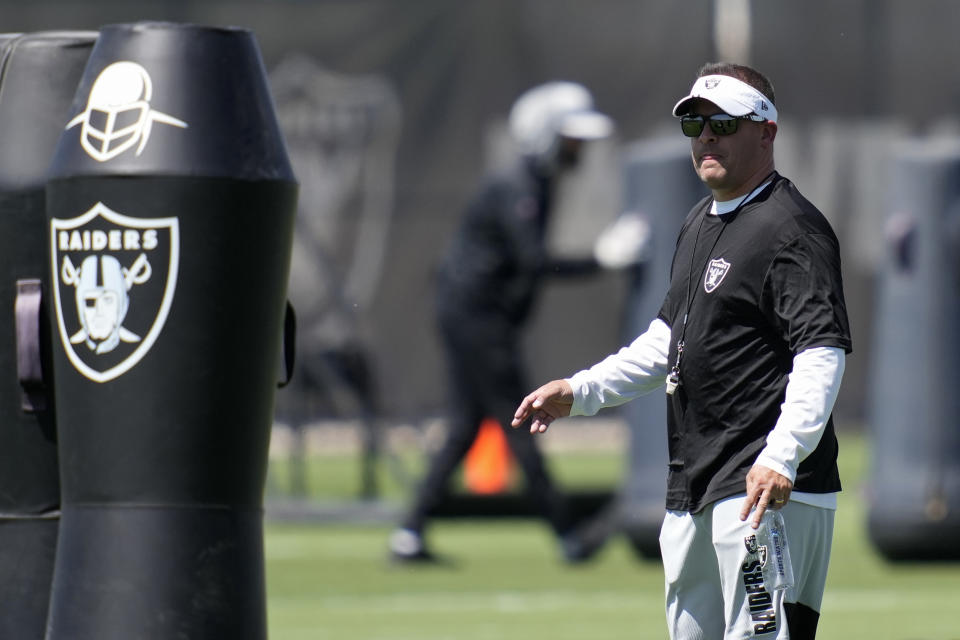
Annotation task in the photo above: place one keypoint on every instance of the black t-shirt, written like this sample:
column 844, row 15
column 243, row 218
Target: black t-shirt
column 496, row 257
column 758, row 286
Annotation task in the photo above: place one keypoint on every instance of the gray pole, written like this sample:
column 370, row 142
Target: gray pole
column 732, row 30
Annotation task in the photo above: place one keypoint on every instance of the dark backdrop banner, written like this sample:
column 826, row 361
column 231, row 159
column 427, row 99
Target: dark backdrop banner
column 391, row 111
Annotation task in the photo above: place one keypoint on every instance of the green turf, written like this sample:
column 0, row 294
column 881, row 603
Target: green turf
column 337, row 477
column 333, row 581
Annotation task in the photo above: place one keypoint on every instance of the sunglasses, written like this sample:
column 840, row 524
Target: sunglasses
column 722, row 124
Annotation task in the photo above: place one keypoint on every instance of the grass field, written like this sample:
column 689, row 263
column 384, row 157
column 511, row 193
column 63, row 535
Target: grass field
column 333, row 581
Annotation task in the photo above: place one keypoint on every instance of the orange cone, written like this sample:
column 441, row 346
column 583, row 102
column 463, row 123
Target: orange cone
column 488, row 465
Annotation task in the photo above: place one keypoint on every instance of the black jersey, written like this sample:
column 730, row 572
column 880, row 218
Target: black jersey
column 756, row 286
column 498, row 256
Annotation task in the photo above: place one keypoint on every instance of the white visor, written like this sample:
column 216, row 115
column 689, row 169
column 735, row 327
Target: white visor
column 733, row 96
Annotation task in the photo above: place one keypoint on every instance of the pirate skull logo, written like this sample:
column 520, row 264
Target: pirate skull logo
column 102, row 298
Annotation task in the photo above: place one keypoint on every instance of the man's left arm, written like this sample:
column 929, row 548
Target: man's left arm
column 811, row 392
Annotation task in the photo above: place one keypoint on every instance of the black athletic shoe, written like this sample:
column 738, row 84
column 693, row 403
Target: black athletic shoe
column 578, row 548
column 407, row 547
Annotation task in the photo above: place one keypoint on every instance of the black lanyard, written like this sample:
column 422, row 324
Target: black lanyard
column 673, row 378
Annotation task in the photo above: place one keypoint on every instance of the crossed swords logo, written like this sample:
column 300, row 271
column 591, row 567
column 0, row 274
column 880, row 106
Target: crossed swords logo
column 102, row 299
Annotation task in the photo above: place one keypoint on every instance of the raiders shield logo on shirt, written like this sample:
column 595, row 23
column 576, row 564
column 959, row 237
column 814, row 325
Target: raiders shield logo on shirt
column 716, row 271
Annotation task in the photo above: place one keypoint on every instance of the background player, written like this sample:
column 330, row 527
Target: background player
column 486, row 287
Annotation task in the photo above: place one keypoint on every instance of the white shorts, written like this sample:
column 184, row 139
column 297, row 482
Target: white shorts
column 714, row 586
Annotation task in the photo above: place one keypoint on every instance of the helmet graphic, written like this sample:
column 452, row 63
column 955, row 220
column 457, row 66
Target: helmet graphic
column 102, row 300
column 545, row 112
column 118, row 113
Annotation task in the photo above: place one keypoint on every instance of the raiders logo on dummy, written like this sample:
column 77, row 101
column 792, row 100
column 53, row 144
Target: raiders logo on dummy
column 114, row 279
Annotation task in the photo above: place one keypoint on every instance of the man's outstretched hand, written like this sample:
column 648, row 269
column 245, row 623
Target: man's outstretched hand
column 551, row 401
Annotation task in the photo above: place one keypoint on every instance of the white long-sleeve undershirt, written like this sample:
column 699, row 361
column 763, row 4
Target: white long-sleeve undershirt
column 812, row 388
column 636, row 369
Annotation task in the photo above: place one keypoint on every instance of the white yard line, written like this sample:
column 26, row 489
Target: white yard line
column 466, row 601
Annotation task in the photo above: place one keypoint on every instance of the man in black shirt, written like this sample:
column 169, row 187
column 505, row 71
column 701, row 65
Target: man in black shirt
column 750, row 343
column 486, row 285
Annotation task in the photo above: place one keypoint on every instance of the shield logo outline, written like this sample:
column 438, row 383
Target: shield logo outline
column 127, row 222
column 716, row 271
